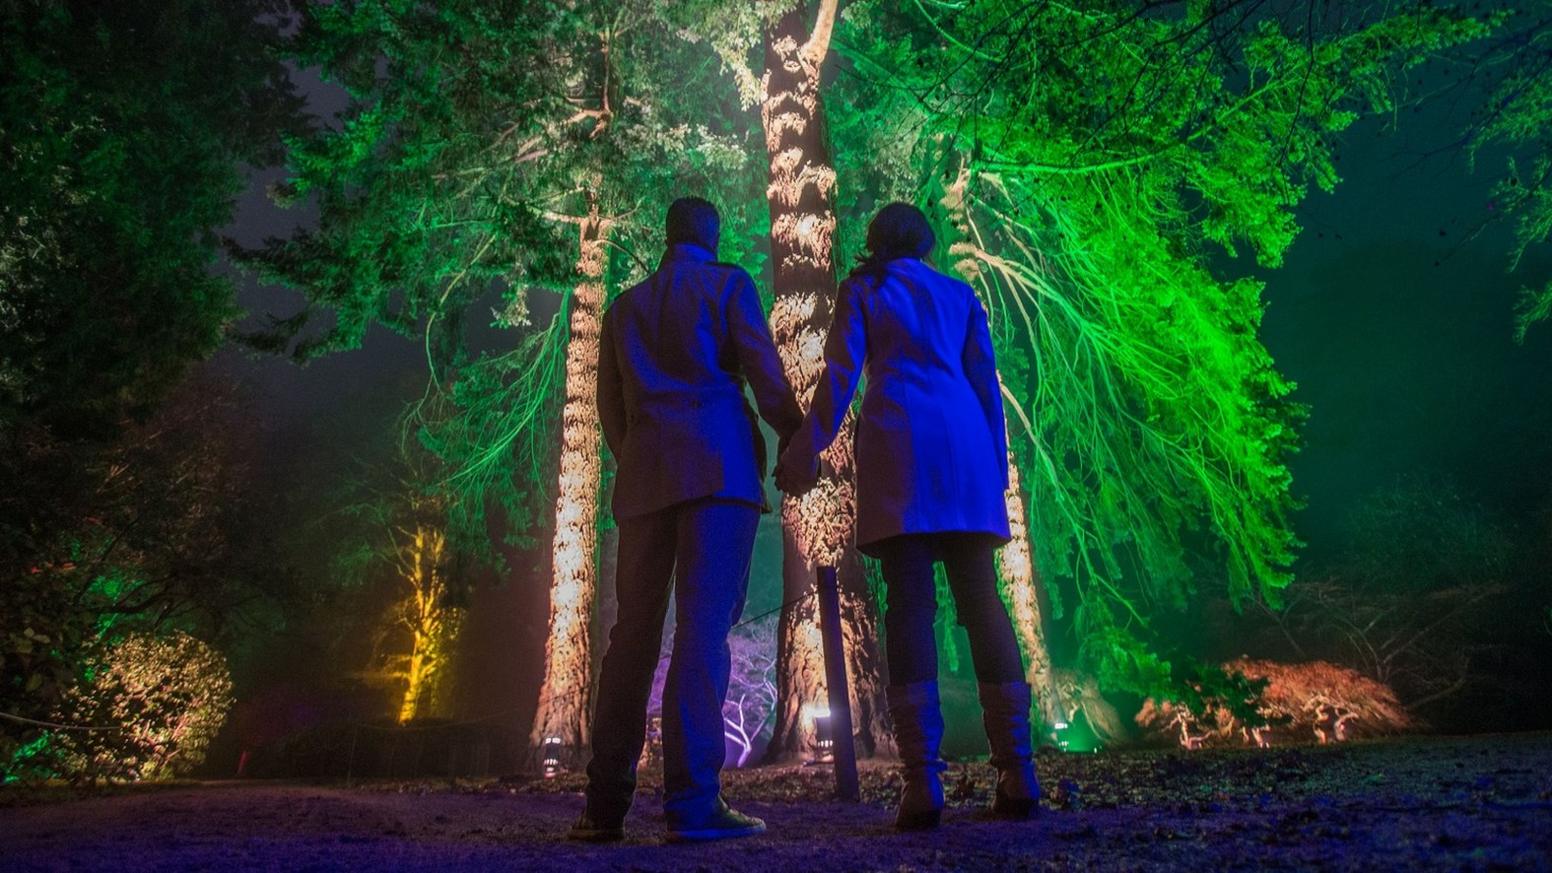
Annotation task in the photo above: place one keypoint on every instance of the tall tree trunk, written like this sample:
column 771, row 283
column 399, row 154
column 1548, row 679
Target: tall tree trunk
column 565, row 697
column 1020, row 578
column 1021, row 587
column 818, row 529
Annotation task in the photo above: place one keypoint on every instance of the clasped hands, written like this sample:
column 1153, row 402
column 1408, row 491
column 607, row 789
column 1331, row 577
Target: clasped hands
column 795, row 475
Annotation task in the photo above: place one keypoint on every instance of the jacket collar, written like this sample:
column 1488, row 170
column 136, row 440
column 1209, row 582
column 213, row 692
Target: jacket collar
column 688, row 252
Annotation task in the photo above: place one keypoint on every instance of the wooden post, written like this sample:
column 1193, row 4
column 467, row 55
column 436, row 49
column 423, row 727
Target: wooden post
column 845, row 752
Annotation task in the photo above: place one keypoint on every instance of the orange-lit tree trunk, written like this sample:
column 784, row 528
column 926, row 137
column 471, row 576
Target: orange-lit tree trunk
column 1020, row 578
column 819, row 528
column 565, row 697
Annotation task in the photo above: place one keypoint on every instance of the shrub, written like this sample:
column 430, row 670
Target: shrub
column 152, row 705
column 1312, row 701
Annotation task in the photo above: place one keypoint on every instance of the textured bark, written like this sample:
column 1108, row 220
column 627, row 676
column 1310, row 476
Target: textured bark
column 565, row 697
column 1021, row 586
column 819, row 528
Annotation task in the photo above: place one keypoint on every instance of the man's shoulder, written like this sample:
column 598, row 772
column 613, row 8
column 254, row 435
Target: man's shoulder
column 728, row 270
column 717, row 275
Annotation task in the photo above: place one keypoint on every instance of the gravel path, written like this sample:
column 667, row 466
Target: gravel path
column 1481, row 803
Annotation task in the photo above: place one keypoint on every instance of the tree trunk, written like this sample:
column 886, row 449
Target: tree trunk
column 565, row 697
column 818, row 529
column 433, row 626
column 1021, row 587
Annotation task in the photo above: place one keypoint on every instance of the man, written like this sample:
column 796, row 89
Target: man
column 674, row 355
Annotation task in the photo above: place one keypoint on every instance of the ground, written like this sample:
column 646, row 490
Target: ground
column 1481, row 803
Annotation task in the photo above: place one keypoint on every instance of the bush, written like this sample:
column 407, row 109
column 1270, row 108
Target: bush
column 150, row 706
column 1313, row 701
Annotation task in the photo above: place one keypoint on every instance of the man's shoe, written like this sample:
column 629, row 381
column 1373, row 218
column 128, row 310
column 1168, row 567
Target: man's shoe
column 596, row 830
column 725, row 823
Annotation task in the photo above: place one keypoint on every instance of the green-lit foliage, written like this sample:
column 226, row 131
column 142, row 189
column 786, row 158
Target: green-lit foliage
column 1089, row 165
column 122, row 130
column 448, row 190
column 1516, row 63
column 431, row 194
column 167, row 538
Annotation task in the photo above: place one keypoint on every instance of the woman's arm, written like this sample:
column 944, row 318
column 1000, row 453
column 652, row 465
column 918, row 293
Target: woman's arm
column 845, row 350
column 980, row 365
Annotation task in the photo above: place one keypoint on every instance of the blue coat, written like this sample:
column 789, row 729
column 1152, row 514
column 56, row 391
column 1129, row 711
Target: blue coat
column 932, row 452
column 673, row 356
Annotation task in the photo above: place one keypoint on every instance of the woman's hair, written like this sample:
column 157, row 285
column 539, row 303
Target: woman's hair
column 899, row 230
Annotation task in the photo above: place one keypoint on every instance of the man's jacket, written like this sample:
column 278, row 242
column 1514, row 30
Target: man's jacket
column 675, row 353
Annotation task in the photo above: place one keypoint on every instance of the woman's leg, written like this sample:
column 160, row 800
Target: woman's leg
column 911, row 599
column 972, row 576
column 912, row 655
column 1005, row 697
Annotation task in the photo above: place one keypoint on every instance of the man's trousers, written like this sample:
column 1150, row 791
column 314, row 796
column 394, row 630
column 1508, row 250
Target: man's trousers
column 703, row 547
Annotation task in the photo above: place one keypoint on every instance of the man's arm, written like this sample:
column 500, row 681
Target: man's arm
column 758, row 359
column 611, row 392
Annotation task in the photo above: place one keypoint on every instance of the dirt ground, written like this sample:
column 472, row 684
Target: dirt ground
column 1481, row 803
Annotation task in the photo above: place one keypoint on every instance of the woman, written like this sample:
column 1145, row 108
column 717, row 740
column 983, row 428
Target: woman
column 931, row 474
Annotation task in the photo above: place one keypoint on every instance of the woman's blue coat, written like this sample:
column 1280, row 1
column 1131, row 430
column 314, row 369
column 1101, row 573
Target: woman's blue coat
column 931, row 446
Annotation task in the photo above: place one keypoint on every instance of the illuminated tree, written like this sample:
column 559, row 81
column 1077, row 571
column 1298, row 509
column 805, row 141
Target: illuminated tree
column 508, row 155
column 775, row 53
column 411, row 521
column 1091, row 161
column 566, row 693
column 748, row 713
column 1019, row 576
column 751, row 702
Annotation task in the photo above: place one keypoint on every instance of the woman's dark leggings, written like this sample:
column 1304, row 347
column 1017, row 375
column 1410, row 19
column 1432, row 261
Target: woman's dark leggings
column 912, row 600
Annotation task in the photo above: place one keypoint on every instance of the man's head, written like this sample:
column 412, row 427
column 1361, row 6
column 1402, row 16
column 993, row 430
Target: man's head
column 693, row 220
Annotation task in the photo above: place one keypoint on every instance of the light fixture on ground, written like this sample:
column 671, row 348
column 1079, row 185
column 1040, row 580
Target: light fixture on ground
column 551, row 752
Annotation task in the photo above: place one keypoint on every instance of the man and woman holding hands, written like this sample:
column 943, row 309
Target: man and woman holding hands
column 931, row 453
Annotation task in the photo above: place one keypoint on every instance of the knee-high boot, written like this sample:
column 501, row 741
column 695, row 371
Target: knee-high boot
column 1006, row 708
column 918, row 723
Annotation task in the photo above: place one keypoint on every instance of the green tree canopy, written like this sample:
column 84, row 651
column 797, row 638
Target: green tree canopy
column 124, row 130
column 1095, row 169
column 448, row 193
